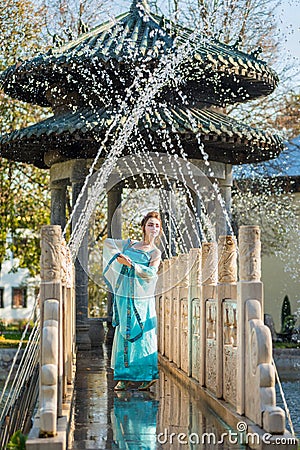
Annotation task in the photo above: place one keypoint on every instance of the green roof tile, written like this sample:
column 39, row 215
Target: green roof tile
column 128, row 39
column 92, row 124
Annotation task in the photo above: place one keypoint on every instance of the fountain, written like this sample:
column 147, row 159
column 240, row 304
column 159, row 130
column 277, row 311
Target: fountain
column 94, row 87
column 135, row 84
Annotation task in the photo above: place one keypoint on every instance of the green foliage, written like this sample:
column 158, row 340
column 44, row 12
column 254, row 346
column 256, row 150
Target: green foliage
column 2, row 326
column 97, row 300
column 11, row 333
column 285, row 312
column 24, row 208
column 288, row 325
column 285, row 345
column 24, row 202
column 17, row 441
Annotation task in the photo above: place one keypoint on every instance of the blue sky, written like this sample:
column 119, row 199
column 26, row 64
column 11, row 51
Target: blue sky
column 287, row 14
column 289, row 24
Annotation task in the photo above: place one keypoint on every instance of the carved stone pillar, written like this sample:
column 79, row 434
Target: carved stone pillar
column 51, row 330
column 167, row 307
column 227, row 293
column 184, row 311
column 81, row 263
column 208, row 307
column 227, row 265
column 249, row 288
column 249, row 250
column 58, row 203
column 196, row 356
column 175, row 315
column 210, row 268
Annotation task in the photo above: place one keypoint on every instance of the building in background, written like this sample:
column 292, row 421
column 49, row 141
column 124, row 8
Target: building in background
column 18, row 291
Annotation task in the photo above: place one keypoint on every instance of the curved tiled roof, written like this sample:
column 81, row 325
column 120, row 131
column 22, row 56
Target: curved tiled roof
column 77, row 135
column 137, row 35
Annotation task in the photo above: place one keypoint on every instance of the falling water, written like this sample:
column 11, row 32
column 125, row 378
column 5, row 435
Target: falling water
column 166, row 70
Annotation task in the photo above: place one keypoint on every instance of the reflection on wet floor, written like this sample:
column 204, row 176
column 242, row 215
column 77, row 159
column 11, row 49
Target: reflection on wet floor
column 166, row 417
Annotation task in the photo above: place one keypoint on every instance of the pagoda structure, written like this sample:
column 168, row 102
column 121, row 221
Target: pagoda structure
column 84, row 80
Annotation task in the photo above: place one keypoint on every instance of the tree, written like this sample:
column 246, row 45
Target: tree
column 258, row 197
column 263, row 200
column 285, row 311
column 288, row 116
column 27, row 28
column 24, row 204
column 66, row 20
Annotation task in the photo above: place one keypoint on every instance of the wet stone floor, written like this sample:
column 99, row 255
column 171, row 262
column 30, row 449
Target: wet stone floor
column 165, row 417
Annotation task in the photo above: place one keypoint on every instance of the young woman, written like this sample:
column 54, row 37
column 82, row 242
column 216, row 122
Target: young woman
column 130, row 272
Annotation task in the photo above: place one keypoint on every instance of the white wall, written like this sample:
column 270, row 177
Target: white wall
column 18, row 279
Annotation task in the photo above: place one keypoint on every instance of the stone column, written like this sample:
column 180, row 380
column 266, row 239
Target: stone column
column 249, row 288
column 81, row 277
column 51, row 330
column 196, row 359
column 184, row 311
column 167, row 299
column 166, row 212
column 225, row 185
column 175, row 312
column 208, row 369
column 227, row 290
column 114, row 215
column 114, row 230
column 58, row 203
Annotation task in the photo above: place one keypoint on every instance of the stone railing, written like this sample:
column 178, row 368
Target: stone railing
column 57, row 307
column 211, row 328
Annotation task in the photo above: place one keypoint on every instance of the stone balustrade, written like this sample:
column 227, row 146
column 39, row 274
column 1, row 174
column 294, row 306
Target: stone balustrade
column 210, row 325
column 57, row 355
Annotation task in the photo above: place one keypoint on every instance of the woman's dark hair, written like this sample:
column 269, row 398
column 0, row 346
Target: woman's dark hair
column 150, row 215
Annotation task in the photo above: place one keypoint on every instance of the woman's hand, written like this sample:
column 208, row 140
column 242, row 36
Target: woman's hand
column 122, row 259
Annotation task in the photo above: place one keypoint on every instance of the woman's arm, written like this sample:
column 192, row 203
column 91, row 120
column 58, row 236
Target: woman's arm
column 155, row 258
column 123, row 259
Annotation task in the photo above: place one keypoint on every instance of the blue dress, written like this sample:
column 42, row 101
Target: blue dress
column 134, row 352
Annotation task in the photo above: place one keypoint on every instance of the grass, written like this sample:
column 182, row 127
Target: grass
column 11, row 343
column 10, row 338
column 286, row 345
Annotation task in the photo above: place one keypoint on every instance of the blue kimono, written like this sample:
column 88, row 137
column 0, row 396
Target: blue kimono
column 134, row 352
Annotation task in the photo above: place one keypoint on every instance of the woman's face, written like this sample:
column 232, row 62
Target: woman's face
column 152, row 227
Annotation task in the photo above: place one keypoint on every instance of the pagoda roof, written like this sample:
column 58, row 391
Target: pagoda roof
column 137, row 36
column 78, row 134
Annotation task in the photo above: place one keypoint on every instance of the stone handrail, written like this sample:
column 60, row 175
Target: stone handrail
column 57, row 328
column 210, row 325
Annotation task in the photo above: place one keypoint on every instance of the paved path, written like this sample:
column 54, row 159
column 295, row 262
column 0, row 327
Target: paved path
column 137, row 420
